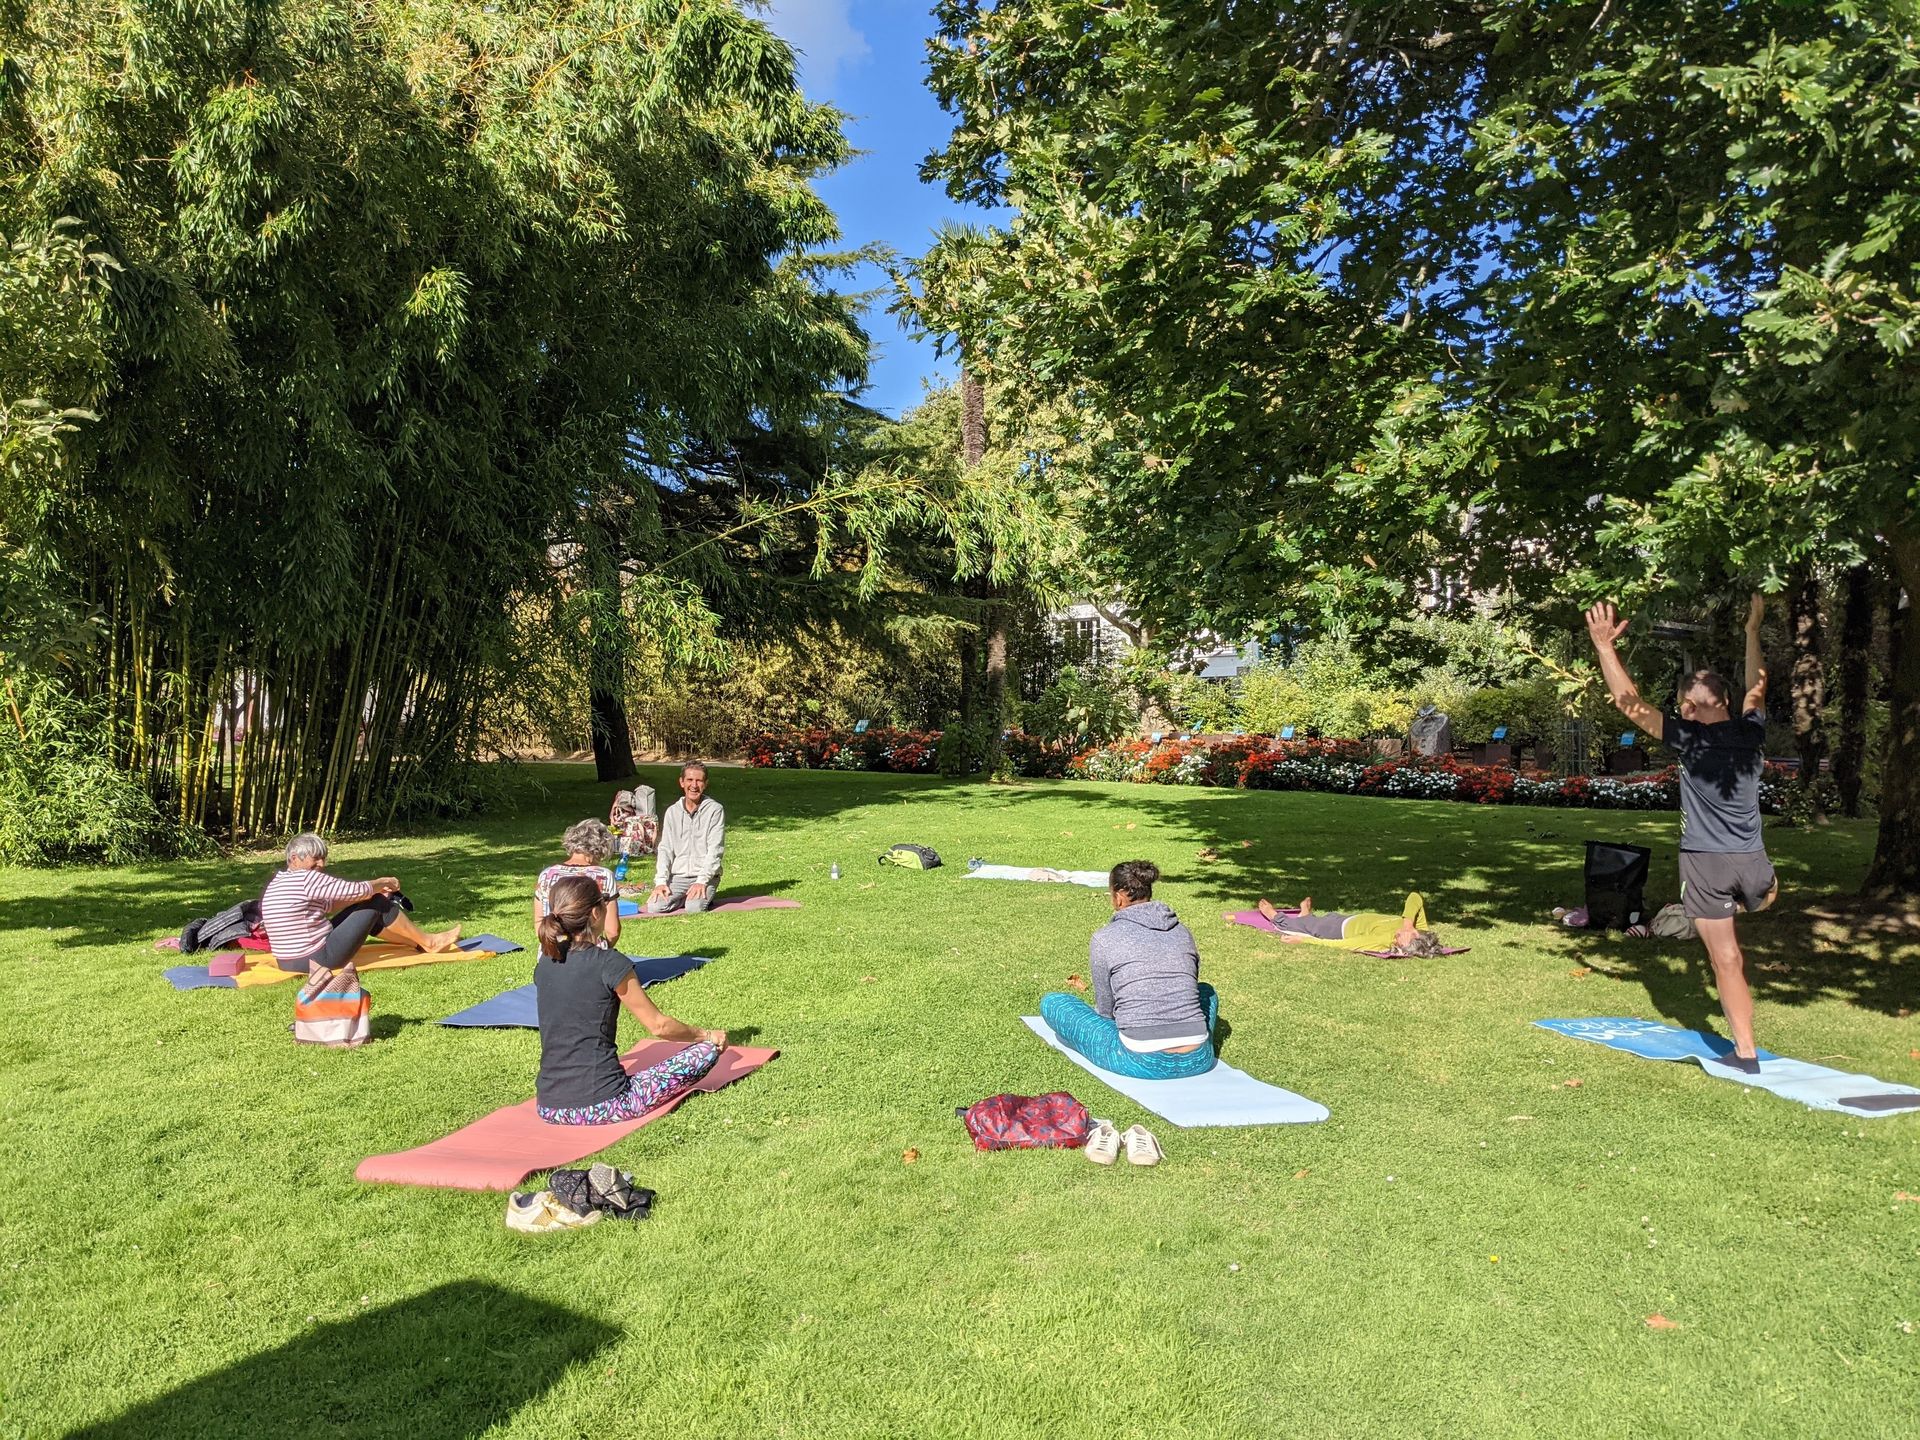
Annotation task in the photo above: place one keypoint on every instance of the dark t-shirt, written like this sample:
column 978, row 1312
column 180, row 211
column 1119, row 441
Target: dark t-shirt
column 579, row 1019
column 1719, row 782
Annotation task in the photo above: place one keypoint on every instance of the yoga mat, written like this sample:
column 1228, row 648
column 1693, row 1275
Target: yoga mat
column 1814, row 1086
column 1257, row 921
column 197, row 977
column 1092, row 879
column 498, row 1151
column 632, row 910
column 1222, row 1096
column 517, row 1008
column 261, row 969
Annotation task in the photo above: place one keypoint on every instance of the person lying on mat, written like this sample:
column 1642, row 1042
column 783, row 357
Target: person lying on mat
column 1403, row 934
column 579, row 985
column 693, row 840
column 588, row 844
column 1724, row 867
column 1151, row 1017
column 313, row 918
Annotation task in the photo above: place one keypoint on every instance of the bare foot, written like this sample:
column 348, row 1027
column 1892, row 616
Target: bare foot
column 1266, row 908
column 443, row 941
column 1306, row 906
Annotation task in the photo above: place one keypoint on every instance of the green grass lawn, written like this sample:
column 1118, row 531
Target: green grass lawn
column 1471, row 1246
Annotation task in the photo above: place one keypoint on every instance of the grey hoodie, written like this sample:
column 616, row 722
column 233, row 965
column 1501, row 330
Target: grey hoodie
column 1146, row 973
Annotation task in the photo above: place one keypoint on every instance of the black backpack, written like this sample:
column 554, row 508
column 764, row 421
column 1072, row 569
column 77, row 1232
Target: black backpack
column 1616, row 885
column 913, row 857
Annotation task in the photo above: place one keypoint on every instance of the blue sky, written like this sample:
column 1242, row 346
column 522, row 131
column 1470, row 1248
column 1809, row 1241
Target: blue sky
column 868, row 58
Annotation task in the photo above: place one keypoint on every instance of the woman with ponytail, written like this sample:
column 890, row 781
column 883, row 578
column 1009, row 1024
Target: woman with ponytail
column 580, row 984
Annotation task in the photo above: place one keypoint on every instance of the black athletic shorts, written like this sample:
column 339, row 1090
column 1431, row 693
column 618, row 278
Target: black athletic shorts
column 1717, row 886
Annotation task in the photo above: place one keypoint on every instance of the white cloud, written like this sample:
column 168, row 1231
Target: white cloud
column 824, row 34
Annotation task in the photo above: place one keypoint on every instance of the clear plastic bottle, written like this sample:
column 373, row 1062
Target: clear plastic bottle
column 834, row 873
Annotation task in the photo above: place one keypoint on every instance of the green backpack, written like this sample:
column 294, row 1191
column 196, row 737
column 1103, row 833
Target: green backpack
column 914, row 857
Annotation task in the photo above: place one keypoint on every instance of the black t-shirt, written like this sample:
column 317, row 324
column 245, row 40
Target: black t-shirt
column 1719, row 782
column 579, row 1019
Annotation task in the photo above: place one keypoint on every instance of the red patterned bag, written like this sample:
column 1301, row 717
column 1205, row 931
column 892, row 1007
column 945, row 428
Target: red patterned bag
column 1028, row 1122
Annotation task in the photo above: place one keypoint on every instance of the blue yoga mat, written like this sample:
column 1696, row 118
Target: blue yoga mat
column 1222, row 1096
column 516, row 1008
column 1815, row 1086
column 197, row 977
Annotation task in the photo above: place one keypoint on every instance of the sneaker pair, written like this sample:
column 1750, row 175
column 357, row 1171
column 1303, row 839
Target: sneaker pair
column 1103, row 1145
column 538, row 1213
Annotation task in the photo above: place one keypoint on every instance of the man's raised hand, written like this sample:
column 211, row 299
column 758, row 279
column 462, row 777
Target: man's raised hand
column 1605, row 625
column 1756, row 611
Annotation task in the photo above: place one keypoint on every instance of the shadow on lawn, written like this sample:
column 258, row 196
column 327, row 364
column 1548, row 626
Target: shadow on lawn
column 456, row 1360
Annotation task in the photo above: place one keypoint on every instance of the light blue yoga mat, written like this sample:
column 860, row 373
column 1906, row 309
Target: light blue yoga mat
column 1812, row 1085
column 517, row 1008
column 1092, row 879
column 1222, row 1096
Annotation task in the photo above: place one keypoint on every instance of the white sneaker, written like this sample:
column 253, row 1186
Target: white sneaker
column 539, row 1213
column 1142, row 1148
column 1104, row 1143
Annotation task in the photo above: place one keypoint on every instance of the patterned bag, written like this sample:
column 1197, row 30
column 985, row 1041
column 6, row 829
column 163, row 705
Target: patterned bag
column 333, row 1009
column 1028, row 1122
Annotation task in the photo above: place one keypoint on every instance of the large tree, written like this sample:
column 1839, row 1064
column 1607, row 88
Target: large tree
column 1570, row 296
column 406, row 308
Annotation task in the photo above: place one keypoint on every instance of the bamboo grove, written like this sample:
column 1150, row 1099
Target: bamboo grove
column 359, row 328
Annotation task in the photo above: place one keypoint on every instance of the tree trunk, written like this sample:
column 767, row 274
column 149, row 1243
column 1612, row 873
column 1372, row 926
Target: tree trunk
column 1808, row 683
column 1856, row 674
column 973, row 419
column 996, row 688
column 612, row 736
column 1896, row 856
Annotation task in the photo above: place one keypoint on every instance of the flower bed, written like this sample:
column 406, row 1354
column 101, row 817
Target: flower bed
column 1338, row 767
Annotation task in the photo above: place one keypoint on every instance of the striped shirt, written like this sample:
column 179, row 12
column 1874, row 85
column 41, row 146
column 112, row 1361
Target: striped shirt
column 295, row 908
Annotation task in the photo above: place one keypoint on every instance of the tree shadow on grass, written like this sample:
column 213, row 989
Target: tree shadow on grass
column 1826, row 947
column 457, row 1360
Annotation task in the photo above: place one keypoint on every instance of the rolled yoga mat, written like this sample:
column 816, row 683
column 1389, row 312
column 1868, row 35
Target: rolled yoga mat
column 1814, row 1086
column 518, row 1007
column 635, row 910
column 261, row 969
column 1222, row 1096
column 498, row 1151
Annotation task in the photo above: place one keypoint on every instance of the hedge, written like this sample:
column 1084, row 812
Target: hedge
column 1255, row 762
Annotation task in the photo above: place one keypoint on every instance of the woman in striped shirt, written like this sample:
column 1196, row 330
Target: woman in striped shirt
column 316, row 919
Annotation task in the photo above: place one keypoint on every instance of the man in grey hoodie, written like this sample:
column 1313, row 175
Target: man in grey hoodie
column 1151, row 1016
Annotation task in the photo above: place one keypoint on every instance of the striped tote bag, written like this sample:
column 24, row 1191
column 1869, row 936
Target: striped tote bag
column 333, row 1009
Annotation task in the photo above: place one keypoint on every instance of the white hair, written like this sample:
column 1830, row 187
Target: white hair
column 307, row 847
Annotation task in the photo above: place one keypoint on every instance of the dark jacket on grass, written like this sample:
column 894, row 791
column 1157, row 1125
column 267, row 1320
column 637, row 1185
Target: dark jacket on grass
column 236, row 922
column 1146, row 974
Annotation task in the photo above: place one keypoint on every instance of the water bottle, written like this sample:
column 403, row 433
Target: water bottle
column 834, row 873
column 620, row 869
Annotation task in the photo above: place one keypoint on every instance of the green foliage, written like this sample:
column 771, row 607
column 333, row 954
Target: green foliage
column 963, row 749
column 1083, row 706
column 63, row 800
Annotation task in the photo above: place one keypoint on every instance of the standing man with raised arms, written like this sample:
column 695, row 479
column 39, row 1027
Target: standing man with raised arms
column 1723, row 863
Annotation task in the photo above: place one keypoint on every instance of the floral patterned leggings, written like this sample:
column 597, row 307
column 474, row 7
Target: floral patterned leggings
column 646, row 1089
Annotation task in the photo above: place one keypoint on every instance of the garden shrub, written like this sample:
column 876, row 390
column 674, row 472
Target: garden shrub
column 63, row 800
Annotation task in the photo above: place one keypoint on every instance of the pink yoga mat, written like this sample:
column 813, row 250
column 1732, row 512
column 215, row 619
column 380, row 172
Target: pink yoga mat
column 751, row 902
column 498, row 1151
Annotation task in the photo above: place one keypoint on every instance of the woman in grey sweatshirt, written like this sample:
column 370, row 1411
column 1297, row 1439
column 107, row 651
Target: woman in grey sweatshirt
column 1151, row 1016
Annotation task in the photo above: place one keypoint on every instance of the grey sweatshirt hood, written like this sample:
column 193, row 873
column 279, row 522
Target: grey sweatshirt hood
column 1148, row 915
